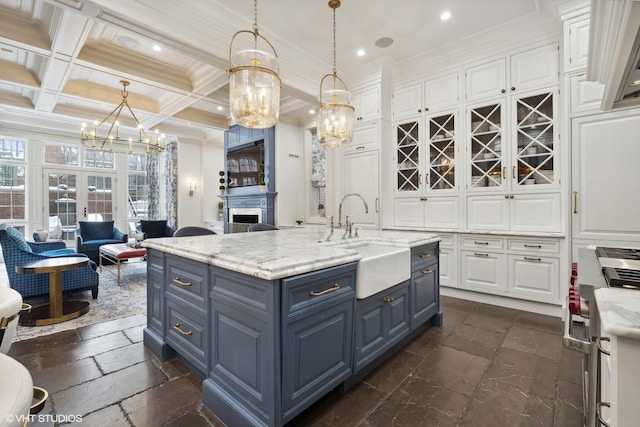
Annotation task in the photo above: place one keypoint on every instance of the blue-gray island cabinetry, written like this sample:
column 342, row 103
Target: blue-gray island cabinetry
column 269, row 319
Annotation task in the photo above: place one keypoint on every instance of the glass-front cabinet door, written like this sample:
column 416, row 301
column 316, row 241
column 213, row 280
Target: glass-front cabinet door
column 408, row 175
column 486, row 159
column 442, row 153
column 533, row 156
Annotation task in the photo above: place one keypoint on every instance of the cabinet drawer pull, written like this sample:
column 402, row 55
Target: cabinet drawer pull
column 360, row 147
column 426, row 255
column 387, row 299
column 326, row 291
column 533, row 246
column 177, row 281
column 480, row 254
column 599, row 405
column 427, row 271
column 177, row 328
column 602, row 350
column 532, row 259
column 480, row 243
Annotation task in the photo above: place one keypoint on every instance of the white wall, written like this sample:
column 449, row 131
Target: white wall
column 290, row 173
column 198, row 163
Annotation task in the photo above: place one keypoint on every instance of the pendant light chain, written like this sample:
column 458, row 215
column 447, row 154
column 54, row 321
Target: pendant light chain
column 255, row 22
column 335, row 72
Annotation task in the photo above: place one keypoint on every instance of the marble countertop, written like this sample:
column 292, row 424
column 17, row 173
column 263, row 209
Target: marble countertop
column 619, row 311
column 283, row 253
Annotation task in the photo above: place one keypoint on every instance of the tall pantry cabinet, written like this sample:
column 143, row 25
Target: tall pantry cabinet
column 603, row 202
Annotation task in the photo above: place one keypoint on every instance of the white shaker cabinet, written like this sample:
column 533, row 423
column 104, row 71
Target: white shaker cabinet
column 366, row 103
column 606, row 176
column 521, row 267
column 576, row 42
column 531, row 69
column 431, row 96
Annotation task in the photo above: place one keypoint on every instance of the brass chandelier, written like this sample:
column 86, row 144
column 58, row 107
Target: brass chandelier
column 334, row 117
column 113, row 142
column 254, row 82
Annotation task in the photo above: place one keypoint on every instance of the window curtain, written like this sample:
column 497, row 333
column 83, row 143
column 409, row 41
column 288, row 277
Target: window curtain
column 171, row 181
column 168, row 209
column 318, row 161
column 153, row 172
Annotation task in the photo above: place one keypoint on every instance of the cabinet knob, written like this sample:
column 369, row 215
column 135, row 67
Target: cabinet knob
column 503, row 91
column 387, row 299
column 426, row 109
column 419, row 110
column 511, row 196
column 513, row 88
column 427, row 271
column 506, row 196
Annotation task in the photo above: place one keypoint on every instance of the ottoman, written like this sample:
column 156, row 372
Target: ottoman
column 119, row 252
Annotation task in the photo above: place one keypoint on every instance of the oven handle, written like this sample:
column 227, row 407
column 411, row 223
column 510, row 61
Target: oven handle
column 569, row 341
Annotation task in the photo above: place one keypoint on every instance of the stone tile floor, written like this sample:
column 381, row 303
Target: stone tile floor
column 487, row 366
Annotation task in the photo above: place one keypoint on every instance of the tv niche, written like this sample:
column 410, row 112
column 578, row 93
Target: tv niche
column 245, row 165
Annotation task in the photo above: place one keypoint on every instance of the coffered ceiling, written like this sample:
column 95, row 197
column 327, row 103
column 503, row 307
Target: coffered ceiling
column 62, row 60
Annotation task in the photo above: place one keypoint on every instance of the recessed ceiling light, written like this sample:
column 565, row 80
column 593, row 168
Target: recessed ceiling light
column 445, row 15
column 219, row 108
column 361, row 52
column 384, row 42
column 157, row 47
column 312, row 111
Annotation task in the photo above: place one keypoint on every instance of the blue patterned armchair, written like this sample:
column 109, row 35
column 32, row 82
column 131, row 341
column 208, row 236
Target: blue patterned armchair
column 16, row 250
column 93, row 234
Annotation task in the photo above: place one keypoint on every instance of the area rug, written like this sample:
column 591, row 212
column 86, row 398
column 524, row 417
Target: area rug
column 114, row 302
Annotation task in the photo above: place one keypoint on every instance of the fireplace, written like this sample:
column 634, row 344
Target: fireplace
column 241, row 218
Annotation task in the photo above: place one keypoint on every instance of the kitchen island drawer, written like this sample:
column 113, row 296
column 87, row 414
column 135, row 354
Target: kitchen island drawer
column 187, row 280
column 306, row 290
column 422, row 256
column 186, row 332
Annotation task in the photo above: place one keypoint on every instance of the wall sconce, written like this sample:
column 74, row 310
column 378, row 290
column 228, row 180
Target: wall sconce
column 192, row 189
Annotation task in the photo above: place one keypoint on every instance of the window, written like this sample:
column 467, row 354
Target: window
column 138, row 187
column 12, row 180
column 98, row 159
column 61, row 155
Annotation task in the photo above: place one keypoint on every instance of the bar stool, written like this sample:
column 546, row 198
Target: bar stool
column 10, row 308
column 17, row 393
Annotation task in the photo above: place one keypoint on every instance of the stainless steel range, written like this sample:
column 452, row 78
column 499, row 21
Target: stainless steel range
column 598, row 267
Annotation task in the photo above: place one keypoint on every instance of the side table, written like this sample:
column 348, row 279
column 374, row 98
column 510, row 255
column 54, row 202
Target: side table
column 56, row 311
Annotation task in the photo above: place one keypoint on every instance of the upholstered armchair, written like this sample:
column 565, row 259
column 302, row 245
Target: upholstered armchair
column 16, row 250
column 155, row 228
column 93, row 234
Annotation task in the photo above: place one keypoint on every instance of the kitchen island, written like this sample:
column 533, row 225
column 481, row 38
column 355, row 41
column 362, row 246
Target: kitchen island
column 271, row 319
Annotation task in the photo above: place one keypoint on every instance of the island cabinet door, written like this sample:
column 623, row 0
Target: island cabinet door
column 317, row 335
column 155, row 291
column 381, row 321
column 242, row 387
column 425, row 284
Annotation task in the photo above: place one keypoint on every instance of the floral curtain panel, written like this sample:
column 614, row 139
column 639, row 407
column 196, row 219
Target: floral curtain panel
column 318, row 162
column 170, row 184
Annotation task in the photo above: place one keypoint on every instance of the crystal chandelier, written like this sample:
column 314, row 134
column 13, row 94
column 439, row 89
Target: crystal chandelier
column 112, row 141
column 254, row 82
column 334, row 116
